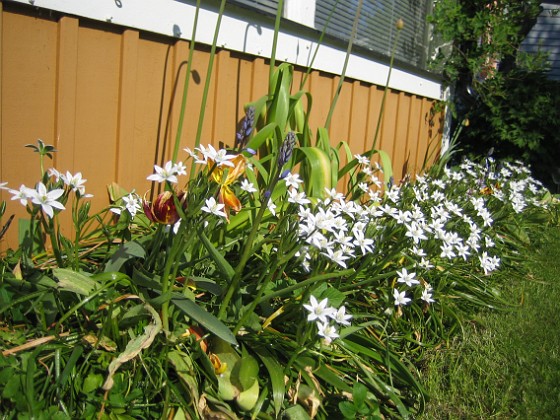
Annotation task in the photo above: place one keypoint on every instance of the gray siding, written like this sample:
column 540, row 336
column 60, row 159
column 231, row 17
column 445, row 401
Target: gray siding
column 545, row 37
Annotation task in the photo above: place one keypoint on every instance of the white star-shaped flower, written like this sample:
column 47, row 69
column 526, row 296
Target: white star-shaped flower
column 400, row 298
column 340, row 316
column 318, row 310
column 327, row 331
column 167, row 173
column 214, row 207
column 408, row 278
column 47, row 199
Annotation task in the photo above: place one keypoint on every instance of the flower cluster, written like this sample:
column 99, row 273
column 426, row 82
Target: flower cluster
column 326, row 318
column 132, row 203
column 50, row 197
column 168, row 173
column 223, row 168
column 434, row 228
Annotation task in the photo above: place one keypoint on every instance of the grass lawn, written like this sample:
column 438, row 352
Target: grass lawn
column 507, row 364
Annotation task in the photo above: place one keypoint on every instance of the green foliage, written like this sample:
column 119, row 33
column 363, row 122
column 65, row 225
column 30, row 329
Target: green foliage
column 502, row 91
column 519, row 119
column 226, row 321
column 254, row 288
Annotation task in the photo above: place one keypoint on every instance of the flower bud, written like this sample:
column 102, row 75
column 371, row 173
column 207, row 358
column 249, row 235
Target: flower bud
column 163, row 209
column 286, row 149
column 399, row 24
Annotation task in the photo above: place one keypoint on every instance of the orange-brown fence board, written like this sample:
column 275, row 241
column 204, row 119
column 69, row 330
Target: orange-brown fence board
column 109, row 99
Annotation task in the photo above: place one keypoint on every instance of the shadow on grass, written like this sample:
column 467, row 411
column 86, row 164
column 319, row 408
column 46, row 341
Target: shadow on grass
column 507, row 364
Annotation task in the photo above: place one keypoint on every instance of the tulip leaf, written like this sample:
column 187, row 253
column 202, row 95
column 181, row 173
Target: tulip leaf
column 258, row 139
column 386, row 165
column 318, row 167
column 296, row 412
column 204, row 318
column 245, row 372
column 225, row 268
column 276, row 374
column 281, row 85
column 73, row 281
column 126, row 252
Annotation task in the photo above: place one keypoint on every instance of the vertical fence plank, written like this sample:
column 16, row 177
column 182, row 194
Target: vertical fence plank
column 413, row 134
column 243, row 94
column 224, row 112
column 389, row 125
column 423, row 137
column 320, row 86
column 259, row 86
column 98, row 72
column 126, row 140
column 400, row 146
column 194, row 100
column 65, row 108
column 28, row 98
column 150, row 111
column 374, row 106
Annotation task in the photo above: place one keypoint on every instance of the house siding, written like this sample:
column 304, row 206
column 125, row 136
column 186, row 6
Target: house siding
column 104, row 96
column 545, row 37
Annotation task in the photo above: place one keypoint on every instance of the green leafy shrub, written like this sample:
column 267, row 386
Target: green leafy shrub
column 511, row 106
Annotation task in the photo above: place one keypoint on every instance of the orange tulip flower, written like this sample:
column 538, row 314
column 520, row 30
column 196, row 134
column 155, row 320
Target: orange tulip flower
column 225, row 176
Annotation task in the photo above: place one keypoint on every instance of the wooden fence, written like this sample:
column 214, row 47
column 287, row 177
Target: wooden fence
column 104, row 97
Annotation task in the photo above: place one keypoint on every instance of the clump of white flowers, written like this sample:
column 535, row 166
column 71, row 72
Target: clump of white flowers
column 435, row 222
column 327, row 318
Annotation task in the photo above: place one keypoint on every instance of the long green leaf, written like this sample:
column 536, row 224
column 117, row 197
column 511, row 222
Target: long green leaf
column 280, row 106
column 264, row 133
column 73, row 281
column 386, row 165
column 123, row 254
column 225, row 268
column 318, row 170
column 276, row 374
column 204, row 318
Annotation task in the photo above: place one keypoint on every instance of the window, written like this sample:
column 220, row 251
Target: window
column 376, row 26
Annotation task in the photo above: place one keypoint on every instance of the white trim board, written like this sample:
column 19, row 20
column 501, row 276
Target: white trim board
column 175, row 18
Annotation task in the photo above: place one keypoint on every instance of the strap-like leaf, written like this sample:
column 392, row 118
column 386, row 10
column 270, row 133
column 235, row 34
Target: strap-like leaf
column 225, row 268
column 204, row 318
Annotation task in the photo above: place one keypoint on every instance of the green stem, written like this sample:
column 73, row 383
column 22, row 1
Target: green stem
column 208, row 79
column 346, row 59
column 186, row 86
column 305, row 283
column 274, row 43
column 369, row 280
column 382, row 109
column 156, row 244
column 78, row 233
column 49, row 228
column 274, row 272
column 167, row 279
column 247, row 252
